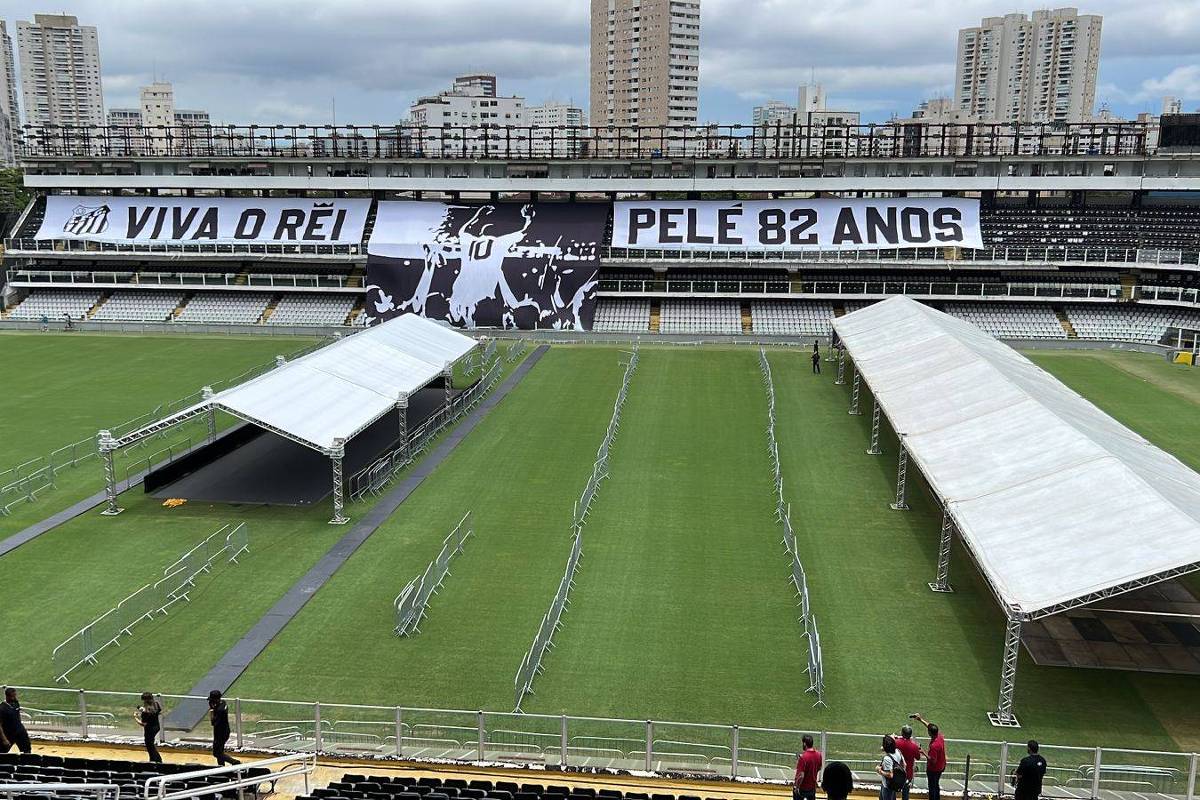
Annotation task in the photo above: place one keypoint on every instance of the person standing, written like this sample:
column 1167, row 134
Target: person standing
column 912, row 754
column 816, row 360
column 12, row 730
column 808, row 766
column 218, row 714
column 45, row 323
column 935, row 757
column 890, row 770
column 1027, row 778
column 837, row 780
column 149, row 715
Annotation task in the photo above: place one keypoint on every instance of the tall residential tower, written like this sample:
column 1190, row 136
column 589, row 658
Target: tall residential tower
column 645, row 62
column 60, row 71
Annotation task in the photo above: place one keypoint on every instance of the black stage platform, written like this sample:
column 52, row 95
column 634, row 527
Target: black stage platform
column 251, row 465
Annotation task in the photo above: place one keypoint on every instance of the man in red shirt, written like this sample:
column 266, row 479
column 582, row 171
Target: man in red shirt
column 808, row 766
column 935, row 759
column 912, row 754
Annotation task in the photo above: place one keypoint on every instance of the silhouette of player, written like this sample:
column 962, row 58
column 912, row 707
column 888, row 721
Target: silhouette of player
column 482, row 257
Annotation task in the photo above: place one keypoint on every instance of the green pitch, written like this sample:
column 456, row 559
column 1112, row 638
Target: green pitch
column 682, row 609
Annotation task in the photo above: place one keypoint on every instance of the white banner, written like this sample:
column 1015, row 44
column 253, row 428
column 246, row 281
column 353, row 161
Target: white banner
column 182, row 220
column 796, row 224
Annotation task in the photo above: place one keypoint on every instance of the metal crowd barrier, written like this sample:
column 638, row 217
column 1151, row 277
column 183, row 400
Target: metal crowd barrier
column 179, row 577
column 413, row 600
column 531, row 663
column 783, row 515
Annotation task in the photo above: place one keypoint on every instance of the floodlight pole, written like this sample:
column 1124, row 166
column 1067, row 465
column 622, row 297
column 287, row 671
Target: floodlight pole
column 336, row 454
column 210, row 415
column 874, row 450
column 841, row 375
column 855, row 388
column 402, row 405
column 901, row 503
column 942, row 582
column 1003, row 716
column 107, row 445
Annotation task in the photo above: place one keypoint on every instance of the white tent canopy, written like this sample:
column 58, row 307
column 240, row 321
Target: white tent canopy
column 1058, row 502
column 337, row 391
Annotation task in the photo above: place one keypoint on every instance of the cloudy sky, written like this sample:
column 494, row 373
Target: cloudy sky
column 283, row 61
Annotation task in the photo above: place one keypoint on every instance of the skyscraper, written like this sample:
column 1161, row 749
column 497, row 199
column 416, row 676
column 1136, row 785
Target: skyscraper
column 1017, row 69
column 9, row 110
column 60, row 71
column 645, row 66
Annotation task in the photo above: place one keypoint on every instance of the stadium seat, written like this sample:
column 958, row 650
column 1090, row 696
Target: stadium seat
column 231, row 308
column 621, row 315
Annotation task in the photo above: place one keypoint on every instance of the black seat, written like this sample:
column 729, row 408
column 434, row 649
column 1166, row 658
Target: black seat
column 508, row 786
column 485, row 785
column 434, row 782
column 420, row 788
column 500, row 794
column 457, row 783
column 533, row 788
column 473, row 794
column 407, row 796
column 584, row 791
column 613, row 793
column 437, row 796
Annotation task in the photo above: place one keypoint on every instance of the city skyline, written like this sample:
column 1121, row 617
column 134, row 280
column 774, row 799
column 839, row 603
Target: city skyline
column 266, row 63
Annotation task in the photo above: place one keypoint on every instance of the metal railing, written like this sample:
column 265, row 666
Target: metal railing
column 1075, row 255
column 531, row 663
column 129, row 278
column 22, row 245
column 791, row 140
column 884, row 285
column 179, row 578
column 413, row 600
column 755, row 753
column 101, row 791
column 783, row 515
column 242, row 776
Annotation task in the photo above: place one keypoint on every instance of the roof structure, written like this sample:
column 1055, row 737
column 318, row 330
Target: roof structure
column 337, row 391
column 1059, row 503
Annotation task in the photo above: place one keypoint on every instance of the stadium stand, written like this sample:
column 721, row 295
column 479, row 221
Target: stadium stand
column 236, row 308
column 1011, row 320
column 408, row 787
column 617, row 315
column 1129, row 322
column 138, row 306
column 312, row 309
column 130, row 776
column 53, row 303
column 786, row 318
column 701, row 316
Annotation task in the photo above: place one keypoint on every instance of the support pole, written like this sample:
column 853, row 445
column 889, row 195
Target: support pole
column 402, row 406
column 854, row 390
column 210, row 416
column 874, row 450
column 280, row 361
column 336, row 454
column 901, row 503
column 107, row 445
column 841, row 376
column 448, row 379
column 1003, row 716
column 942, row 582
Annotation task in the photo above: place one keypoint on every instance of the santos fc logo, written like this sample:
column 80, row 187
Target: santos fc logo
column 87, row 220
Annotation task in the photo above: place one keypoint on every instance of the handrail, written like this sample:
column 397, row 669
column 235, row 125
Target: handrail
column 296, row 764
column 101, row 790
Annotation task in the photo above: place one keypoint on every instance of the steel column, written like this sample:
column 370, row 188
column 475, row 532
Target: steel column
column 1003, row 715
column 874, row 450
column 901, row 503
column 339, row 504
column 649, row 745
column 733, row 752
column 562, row 758
column 399, row 732
column 83, row 717
column 482, row 733
column 107, row 446
column 1002, row 773
column 1096, row 773
column 841, row 373
column 448, row 379
column 854, row 390
column 402, row 405
column 237, row 722
column 317, row 742
column 942, row 582
column 1191, row 790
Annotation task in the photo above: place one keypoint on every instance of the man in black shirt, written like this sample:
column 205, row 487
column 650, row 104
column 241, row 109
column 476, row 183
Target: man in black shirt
column 1029, row 773
column 12, row 730
column 218, row 713
column 837, row 780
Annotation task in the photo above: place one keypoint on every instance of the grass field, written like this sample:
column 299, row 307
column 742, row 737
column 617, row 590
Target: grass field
column 682, row 608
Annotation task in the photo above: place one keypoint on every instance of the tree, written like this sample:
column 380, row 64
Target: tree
column 13, row 194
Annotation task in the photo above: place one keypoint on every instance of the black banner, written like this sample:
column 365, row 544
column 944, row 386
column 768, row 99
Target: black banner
column 500, row 265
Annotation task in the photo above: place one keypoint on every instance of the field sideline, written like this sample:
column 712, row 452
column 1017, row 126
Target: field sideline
column 681, row 611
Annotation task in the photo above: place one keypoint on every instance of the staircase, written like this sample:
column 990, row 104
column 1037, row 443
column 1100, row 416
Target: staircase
column 103, row 298
column 1128, row 283
column 1065, row 322
column 839, row 310
column 187, row 298
column 266, row 315
column 355, row 278
column 242, row 278
column 358, row 306
column 747, row 319
column 655, row 315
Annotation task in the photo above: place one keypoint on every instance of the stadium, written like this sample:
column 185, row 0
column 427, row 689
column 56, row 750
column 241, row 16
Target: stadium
column 503, row 456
